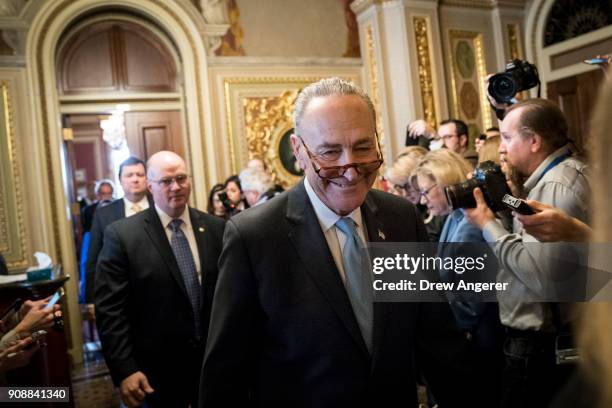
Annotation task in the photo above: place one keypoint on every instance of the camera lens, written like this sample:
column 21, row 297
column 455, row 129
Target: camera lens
column 502, row 88
column 461, row 195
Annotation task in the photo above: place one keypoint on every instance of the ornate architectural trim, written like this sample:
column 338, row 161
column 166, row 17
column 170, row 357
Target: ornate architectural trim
column 424, row 69
column 373, row 79
column 267, row 120
column 514, row 42
column 230, row 87
column 481, row 72
column 13, row 226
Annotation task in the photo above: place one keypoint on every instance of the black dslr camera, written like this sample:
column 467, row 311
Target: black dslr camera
column 519, row 76
column 227, row 203
column 489, row 177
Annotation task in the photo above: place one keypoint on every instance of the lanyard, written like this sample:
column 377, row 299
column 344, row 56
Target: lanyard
column 553, row 164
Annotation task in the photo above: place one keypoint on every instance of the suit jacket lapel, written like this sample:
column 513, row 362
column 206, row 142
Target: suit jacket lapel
column 202, row 240
column 155, row 230
column 311, row 246
column 376, row 233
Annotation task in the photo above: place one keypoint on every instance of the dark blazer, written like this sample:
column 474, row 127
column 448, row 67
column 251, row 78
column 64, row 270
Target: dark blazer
column 3, row 267
column 282, row 330
column 102, row 218
column 143, row 313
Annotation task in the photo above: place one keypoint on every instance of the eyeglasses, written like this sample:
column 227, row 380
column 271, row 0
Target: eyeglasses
column 446, row 137
column 425, row 193
column 331, row 172
column 166, row 182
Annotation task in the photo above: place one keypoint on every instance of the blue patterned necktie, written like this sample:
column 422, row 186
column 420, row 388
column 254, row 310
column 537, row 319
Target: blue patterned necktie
column 358, row 278
column 184, row 258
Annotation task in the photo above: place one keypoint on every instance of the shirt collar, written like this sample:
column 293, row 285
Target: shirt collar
column 531, row 182
column 143, row 203
column 457, row 214
column 327, row 217
column 166, row 219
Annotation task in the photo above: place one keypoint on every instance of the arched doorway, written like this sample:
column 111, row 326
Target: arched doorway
column 183, row 25
column 560, row 36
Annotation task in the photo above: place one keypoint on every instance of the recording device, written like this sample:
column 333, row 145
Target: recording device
column 56, row 296
column 519, row 76
column 229, row 206
column 596, row 61
column 489, row 178
column 518, row 205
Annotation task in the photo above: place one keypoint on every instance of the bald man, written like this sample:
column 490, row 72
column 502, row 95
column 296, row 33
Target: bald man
column 157, row 272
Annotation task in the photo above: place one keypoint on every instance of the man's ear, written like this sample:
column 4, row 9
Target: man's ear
column 537, row 143
column 463, row 140
column 296, row 145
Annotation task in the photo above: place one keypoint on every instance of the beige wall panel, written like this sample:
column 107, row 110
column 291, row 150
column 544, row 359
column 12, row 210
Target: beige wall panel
column 288, row 28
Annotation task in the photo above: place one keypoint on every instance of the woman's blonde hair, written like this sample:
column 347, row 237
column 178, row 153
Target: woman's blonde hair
column 595, row 324
column 415, row 152
column 444, row 166
column 490, row 150
column 399, row 173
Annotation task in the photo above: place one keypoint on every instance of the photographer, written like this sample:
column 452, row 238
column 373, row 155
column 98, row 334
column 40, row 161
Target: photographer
column 233, row 197
column 453, row 132
column 535, row 143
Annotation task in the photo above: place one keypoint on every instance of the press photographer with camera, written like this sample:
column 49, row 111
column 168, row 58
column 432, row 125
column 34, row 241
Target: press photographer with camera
column 534, row 142
column 453, row 132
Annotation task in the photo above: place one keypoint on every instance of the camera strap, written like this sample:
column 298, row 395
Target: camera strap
column 553, row 163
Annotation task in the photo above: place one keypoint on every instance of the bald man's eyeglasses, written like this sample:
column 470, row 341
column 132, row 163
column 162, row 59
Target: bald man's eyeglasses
column 331, row 172
column 167, row 182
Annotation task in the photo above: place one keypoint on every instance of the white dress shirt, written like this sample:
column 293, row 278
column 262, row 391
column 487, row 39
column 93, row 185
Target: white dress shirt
column 327, row 220
column 187, row 229
column 128, row 205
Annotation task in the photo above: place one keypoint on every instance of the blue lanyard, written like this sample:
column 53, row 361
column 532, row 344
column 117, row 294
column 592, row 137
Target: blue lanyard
column 553, row 164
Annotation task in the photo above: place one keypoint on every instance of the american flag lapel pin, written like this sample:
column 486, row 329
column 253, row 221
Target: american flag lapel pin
column 381, row 235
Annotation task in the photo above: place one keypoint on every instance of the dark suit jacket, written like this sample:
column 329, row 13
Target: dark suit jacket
column 3, row 267
column 144, row 316
column 282, row 330
column 102, row 218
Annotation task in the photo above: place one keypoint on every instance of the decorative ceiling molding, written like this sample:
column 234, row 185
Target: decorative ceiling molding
column 485, row 4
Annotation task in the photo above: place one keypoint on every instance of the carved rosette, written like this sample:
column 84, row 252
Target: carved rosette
column 424, row 65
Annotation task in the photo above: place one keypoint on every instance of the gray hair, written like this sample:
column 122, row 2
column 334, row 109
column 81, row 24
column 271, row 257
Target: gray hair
column 328, row 87
column 255, row 180
column 103, row 182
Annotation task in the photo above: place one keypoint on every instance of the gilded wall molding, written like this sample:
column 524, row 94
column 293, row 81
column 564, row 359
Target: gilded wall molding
column 424, row 69
column 514, row 41
column 268, row 120
column 469, row 83
column 13, row 239
column 373, row 78
column 238, row 91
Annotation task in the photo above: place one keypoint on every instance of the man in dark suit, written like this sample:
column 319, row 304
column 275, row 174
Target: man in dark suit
column 153, row 293
column 132, row 176
column 290, row 326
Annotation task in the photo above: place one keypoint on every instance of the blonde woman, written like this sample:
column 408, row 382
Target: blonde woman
column 489, row 151
column 479, row 320
column 400, row 178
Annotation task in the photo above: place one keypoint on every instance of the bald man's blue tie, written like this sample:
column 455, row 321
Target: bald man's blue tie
column 358, row 278
column 184, row 258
